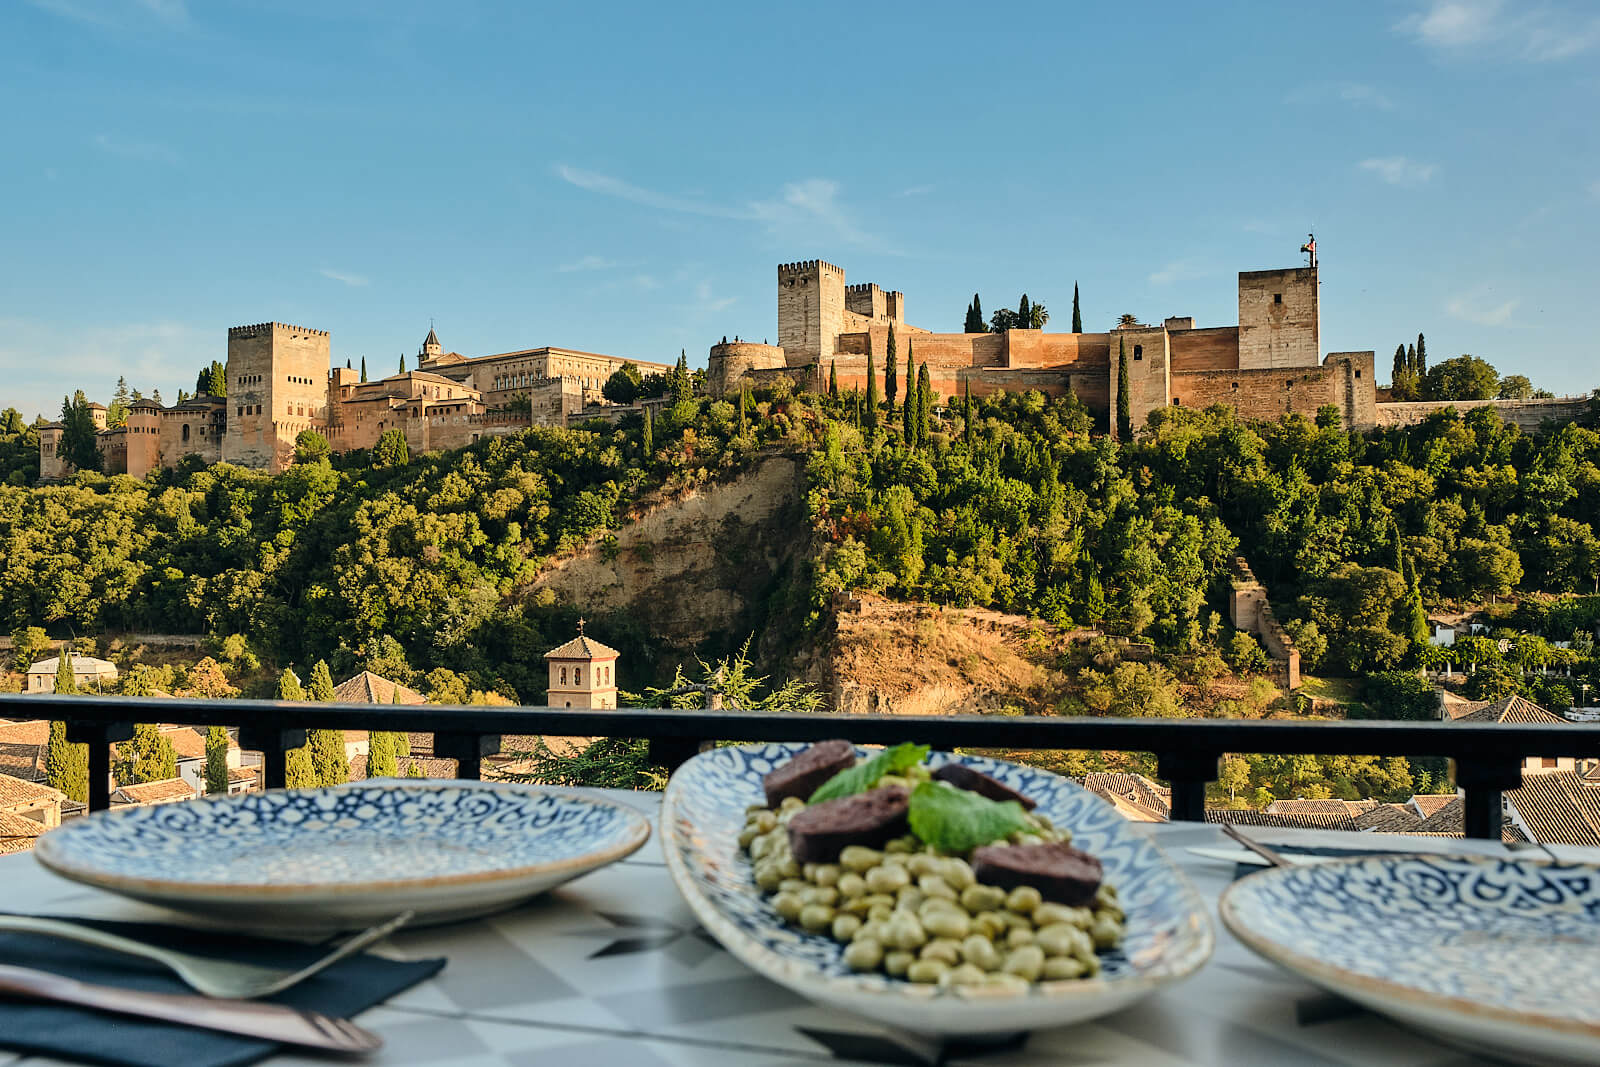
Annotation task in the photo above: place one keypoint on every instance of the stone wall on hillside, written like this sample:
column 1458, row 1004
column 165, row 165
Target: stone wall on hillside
column 1527, row 415
column 695, row 567
column 1250, row 611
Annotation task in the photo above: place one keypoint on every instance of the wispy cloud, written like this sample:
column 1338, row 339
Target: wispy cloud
column 590, row 262
column 44, row 361
column 917, row 190
column 1181, row 270
column 172, row 13
column 1400, row 170
column 707, row 302
column 1477, row 310
column 1536, row 32
column 355, row 280
column 130, row 148
column 809, row 208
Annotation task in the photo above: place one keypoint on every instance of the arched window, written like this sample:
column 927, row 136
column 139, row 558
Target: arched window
column 563, row 676
column 577, row 676
column 186, row 432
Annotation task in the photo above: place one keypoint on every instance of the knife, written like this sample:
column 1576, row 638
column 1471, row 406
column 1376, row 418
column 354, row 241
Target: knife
column 270, row 1022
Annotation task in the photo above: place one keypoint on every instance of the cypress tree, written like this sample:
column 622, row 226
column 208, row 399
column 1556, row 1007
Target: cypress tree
column 649, row 440
column 327, row 746
column 402, row 363
column 66, row 678
column 744, row 408
column 1024, row 314
column 924, row 404
column 216, row 760
column 1411, row 360
column 1397, row 377
column 908, row 424
column 1124, row 401
column 66, row 765
column 890, row 386
column 148, row 757
column 301, row 772
column 833, row 379
column 217, row 381
column 974, row 323
column 1422, row 357
column 870, row 413
column 363, row 368
column 1077, row 316
column 966, row 413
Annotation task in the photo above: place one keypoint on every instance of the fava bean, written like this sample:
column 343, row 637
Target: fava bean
column 788, row 905
column 1049, row 913
column 859, row 858
column 927, row 971
column 957, row 873
column 880, row 912
column 845, row 927
column 990, row 924
column 821, row 894
column 980, row 952
column 1061, row 939
column 909, row 898
column 766, row 822
column 768, row 876
column 851, row 885
column 949, row 923
column 941, row 949
column 816, row 917
column 827, row 874
column 981, row 898
column 747, row 835
column 922, row 864
column 1025, row 962
column 1018, row 936
column 1009, row 983
column 934, row 886
column 903, row 931
column 1058, row 968
column 907, row 843
column 895, row 962
column 793, row 885
column 791, row 804
column 965, row 974
column 1023, row 900
column 863, row 954
column 1106, row 932
column 887, row 879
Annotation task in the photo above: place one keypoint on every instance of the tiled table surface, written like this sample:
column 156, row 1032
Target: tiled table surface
column 612, row 969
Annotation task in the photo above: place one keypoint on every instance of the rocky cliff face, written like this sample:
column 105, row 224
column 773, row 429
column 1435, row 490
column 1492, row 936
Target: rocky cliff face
column 698, row 568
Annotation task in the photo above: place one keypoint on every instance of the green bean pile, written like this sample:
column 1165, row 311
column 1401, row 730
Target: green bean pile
column 919, row 915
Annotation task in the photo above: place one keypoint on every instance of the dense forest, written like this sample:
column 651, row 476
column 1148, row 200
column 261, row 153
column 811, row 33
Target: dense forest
column 1009, row 501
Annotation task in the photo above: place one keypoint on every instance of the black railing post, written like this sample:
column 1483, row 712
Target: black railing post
column 274, row 744
column 1187, row 772
column 674, row 752
column 99, row 736
column 467, row 750
column 1483, row 779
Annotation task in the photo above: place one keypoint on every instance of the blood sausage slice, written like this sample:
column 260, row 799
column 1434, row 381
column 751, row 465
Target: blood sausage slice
column 801, row 776
column 1059, row 872
column 819, row 833
column 974, row 781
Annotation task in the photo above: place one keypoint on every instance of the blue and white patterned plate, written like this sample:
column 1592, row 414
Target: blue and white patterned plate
column 1496, row 954
column 349, row 855
column 1169, row 932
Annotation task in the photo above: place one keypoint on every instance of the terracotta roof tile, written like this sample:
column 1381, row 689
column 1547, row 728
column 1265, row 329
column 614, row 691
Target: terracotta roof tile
column 582, row 647
column 1559, row 807
column 18, row 832
column 1511, row 709
column 1449, row 818
column 1426, row 804
column 430, row 768
column 369, row 688
column 15, row 792
column 164, row 791
column 1302, row 820
column 1388, row 819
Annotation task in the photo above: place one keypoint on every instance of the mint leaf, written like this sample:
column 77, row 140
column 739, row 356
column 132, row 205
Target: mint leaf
column 863, row 776
column 954, row 820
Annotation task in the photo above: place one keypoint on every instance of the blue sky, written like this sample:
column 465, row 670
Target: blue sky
column 625, row 179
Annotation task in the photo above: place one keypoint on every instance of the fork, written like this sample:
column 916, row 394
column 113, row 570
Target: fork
column 215, row 978
column 1271, row 855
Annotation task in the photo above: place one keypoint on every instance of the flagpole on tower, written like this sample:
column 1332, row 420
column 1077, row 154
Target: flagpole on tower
column 1310, row 249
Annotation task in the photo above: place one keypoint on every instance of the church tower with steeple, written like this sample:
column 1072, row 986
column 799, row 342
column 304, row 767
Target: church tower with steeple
column 431, row 348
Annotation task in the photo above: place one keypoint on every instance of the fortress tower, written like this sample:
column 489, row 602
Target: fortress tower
column 811, row 306
column 277, row 387
column 1278, row 325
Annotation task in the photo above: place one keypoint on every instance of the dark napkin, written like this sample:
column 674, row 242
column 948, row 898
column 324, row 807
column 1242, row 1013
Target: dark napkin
column 72, row 1033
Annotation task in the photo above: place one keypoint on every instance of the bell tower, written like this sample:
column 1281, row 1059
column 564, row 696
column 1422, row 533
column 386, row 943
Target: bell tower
column 582, row 674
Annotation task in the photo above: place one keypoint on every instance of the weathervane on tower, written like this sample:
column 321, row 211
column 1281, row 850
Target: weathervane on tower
column 1310, row 248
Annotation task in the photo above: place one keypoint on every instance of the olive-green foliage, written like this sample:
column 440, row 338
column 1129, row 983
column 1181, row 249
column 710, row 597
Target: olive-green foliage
column 216, row 760
column 79, row 445
column 28, row 643
column 381, row 755
column 328, row 758
column 149, row 757
column 66, row 678
column 66, row 765
column 19, row 449
column 391, row 450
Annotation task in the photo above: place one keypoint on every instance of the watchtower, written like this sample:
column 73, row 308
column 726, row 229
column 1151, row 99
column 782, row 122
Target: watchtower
column 581, row 674
column 811, row 305
column 277, row 387
column 1278, row 322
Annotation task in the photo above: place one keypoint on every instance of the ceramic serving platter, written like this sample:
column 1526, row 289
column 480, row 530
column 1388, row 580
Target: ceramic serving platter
column 1497, row 955
column 348, row 856
column 1169, row 933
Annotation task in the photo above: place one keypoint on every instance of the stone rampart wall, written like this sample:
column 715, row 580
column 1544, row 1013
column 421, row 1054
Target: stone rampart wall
column 1210, row 349
column 1527, row 415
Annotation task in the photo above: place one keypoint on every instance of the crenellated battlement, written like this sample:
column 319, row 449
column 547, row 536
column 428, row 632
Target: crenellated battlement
column 807, row 265
column 263, row 329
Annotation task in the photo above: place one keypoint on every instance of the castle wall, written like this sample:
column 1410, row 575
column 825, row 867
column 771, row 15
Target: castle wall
column 1526, row 415
column 729, row 362
column 144, row 440
column 52, row 467
column 552, row 400
column 1353, row 390
column 811, row 310
column 1216, row 348
column 1278, row 324
column 1149, row 372
column 1034, row 348
column 114, row 450
column 197, row 428
column 277, row 387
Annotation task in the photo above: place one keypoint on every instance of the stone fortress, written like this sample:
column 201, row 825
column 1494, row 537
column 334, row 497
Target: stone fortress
column 1268, row 365
column 280, row 383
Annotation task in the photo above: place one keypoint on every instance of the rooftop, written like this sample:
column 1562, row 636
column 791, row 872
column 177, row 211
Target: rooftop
column 582, row 647
column 165, row 791
column 18, row 832
column 369, row 688
column 16, row 792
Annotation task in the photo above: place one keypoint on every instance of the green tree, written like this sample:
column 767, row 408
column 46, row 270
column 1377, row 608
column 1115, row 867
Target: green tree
column 924, row 403
column 744, row 408
column 216, row 760
column 1462, row 378
column 310, row 447
column 1421, row 369
column 1246, row 654
column 624, row 386
column 66, row 678
column 391, row 449
column 1024, row 313
column 1077, row 315
column 301, row 772
column 908, row 409
column 217, row 380
column 974, row 323
column 66, row 765
column 648, row 440
column 117, row 414
column 28, row 643
column 79, row 445
column 682, row 382
column 328, row 757
column 148, row 757
column 1124, row 399
column 382, row 761
column 833, row 379
column 871, row 413
column 1515, row 387
column 402, row 363
column 890, row 385
column 363, row 368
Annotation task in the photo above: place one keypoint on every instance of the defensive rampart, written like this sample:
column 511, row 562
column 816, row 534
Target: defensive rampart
column 1526, row 415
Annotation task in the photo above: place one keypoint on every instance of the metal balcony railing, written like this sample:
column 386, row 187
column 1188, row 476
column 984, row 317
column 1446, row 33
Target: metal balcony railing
column 1488, row 756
